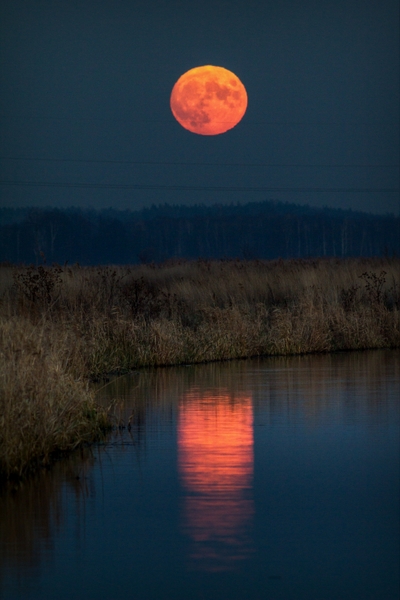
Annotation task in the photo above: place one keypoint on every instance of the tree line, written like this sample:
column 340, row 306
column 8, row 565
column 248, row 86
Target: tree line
column 263, row 230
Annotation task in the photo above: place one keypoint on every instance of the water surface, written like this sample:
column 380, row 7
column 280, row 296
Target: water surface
column 262, row 479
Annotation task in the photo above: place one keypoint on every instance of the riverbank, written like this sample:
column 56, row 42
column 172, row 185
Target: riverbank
column 62, row 326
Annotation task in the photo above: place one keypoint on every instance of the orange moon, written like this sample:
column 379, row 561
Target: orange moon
column 208, row 100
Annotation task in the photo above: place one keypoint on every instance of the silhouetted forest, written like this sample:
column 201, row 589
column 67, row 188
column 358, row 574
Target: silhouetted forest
column 262, row 230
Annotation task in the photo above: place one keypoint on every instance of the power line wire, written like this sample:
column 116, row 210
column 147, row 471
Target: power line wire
column 195, row 164
column 194, row 187
column 171, row 121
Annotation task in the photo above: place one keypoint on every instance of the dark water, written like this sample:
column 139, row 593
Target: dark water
column 261, row 479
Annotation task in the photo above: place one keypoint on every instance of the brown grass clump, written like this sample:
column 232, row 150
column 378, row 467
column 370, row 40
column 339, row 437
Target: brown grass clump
column 60, row 326
column 44, row 409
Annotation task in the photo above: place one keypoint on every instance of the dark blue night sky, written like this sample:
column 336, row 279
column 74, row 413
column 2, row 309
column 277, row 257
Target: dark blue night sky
column 85, row 100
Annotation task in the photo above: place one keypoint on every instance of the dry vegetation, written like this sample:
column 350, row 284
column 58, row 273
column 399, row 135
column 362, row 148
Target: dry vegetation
column 60, row 326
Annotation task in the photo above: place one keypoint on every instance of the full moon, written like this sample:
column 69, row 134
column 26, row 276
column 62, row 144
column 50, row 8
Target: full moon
column 208, row 100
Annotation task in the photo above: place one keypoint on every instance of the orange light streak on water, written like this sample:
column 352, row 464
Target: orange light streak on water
column 215, row 462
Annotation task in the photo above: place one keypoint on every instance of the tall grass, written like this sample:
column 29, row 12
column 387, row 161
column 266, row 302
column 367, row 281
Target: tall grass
column 60, row 326
column 45, row 409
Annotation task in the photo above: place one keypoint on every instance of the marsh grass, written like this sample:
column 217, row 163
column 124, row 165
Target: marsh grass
column 45, row 409
column 60, row 326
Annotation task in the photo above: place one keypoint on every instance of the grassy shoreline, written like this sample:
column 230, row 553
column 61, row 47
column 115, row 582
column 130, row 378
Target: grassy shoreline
column 61, row 326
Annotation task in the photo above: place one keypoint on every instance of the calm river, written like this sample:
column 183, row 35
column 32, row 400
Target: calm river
column 273, row 479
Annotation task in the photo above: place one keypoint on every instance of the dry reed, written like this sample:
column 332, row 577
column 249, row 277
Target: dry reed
column 61, row 325
column 44, row 409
